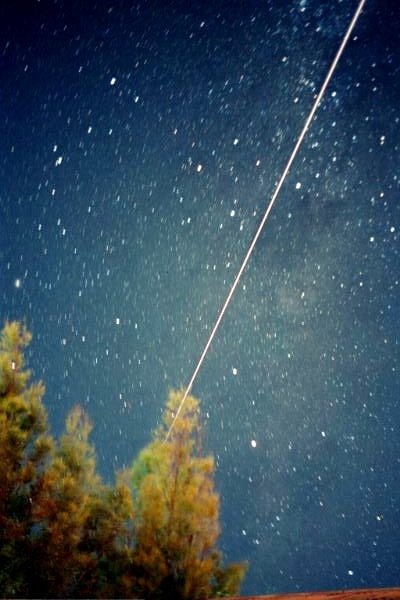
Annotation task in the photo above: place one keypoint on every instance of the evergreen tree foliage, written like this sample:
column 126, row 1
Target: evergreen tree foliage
column 109, row 540
column 84, row 524
column 177, row 514
column 25, row 450
column 64, row 533
column 63, row 510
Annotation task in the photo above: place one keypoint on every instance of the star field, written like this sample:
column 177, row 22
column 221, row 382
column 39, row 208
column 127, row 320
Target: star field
column 140, row 143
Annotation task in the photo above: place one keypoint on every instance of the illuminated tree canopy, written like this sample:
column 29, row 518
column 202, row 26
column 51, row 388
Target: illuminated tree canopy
column 177, row 521
column 65, row 533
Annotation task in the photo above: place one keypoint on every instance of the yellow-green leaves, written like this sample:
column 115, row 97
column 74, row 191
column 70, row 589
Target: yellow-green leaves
column 177, row 513
column 65, row 533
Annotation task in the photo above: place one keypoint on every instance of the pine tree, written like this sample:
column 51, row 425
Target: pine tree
column 177, row 514
column 65, row 533
column 62, row 512
column 85, row 525
column 108, row 538
column 25, row 451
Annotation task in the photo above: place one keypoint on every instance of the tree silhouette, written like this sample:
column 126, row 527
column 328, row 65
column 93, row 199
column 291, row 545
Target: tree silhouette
column 177, row 514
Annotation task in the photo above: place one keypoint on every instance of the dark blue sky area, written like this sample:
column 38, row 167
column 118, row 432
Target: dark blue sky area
column 140, row 143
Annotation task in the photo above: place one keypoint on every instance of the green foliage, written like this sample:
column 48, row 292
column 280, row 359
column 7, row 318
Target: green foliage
column 65, row 533
column 63, row 510
column 177, row 514
column 25, row 450
column 108, row 540
column 84, row 523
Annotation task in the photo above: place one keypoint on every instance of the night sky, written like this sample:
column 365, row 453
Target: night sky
column 140, row 143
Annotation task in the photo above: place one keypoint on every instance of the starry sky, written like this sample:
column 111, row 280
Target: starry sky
column 140, row 142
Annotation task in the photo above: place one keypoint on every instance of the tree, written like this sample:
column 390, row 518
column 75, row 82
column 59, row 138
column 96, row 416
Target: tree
column 25, row 451
column 177, row 514
column 62, row 512
column 63, row 532
column 108, row 538
column 84, row 525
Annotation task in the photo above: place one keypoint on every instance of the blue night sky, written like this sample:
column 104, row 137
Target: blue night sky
column 140, row 142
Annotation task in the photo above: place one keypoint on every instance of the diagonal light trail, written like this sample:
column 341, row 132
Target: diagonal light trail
column 270, row 206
